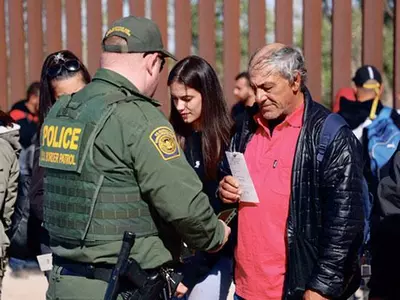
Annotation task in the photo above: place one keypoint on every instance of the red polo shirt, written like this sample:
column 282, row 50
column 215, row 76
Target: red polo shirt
column 261, row 250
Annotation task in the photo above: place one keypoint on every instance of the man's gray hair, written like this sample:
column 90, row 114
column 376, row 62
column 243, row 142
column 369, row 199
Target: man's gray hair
column 285, row 61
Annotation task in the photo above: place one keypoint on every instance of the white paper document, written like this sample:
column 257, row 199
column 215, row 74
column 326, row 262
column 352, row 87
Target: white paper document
column 45, row 262
column 239, row 170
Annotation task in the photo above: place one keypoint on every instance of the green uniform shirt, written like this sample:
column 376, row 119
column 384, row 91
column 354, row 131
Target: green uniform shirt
column 136, row 140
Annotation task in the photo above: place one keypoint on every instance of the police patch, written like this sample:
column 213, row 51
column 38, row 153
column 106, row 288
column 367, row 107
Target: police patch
column 164, row 140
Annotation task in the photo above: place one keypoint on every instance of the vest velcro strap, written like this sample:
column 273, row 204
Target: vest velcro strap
column 102, row 232
column 103, row 213
column 102, row 198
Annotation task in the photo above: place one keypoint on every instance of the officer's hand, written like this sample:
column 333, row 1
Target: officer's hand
column 181, row 290
column 227, row 232
column 229, row 191
column 311, row 295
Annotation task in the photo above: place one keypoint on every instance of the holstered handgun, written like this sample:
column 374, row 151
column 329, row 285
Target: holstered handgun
column 133, row 283
column 150, row 284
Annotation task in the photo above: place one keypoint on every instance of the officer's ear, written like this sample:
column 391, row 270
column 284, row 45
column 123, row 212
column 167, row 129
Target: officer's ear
column 151, row 63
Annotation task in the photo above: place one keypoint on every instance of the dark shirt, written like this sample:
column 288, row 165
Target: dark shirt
column 237, row 113
column 28, row 122
column 199, row 266
column 193, row 153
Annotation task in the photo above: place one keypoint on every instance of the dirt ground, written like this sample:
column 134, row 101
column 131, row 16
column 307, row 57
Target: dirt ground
column 28, row 285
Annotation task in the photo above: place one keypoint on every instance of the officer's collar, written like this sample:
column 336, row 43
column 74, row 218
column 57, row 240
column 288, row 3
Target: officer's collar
column 121, row 83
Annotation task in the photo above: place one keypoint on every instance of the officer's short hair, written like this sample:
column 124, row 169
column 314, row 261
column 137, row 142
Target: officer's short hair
column 115, row 40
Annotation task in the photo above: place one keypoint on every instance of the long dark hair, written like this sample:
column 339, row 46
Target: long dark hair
column 196, row 73
column 46, row 97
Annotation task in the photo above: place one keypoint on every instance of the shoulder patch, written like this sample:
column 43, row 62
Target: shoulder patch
column 164, row 140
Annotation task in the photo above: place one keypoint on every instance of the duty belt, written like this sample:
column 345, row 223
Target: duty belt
column 92, row 271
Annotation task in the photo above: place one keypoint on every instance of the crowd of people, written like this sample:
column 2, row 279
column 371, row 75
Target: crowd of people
column 84, row 160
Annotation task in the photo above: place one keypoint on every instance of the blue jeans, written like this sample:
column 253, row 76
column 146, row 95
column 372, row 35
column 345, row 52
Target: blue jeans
column 17, row 264
column 236, row 297
column 215, row 286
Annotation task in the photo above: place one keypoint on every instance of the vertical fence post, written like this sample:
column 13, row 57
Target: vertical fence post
column 232, row 47
column 137, row 8
column 312, row 20
column 94, row 34
column 207, row 31
column 284, row 21
column 74, row 27
column 35, row 39
column 396, row 54
column 159, row 11
column 114, row 10
column 183, row 28
column 53, row 25
column 17, row 51
column 257, row 23
column 3, row 59
column 341, row 44
column 372, row 36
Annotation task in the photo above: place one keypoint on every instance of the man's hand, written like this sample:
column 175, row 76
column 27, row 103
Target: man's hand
column 229, row 191
column 311, row 295
column 181, row 290
column 227, row 232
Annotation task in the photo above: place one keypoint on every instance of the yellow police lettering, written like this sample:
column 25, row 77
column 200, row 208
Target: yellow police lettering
column 52, row 157
column 75, row 138
column 45, row 133
column 67, row 139
column 67, row 159
column 61, row 137
column 50, row 135
column 55, row 144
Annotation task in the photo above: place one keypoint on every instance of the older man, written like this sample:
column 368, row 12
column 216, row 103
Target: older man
column 301, row 239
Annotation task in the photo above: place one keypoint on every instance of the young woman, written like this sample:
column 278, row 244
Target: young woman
column 62, row 74
column 9, row 172
column 201, row 120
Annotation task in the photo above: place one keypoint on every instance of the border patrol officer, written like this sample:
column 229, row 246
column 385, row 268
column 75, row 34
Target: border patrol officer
column 113, row 164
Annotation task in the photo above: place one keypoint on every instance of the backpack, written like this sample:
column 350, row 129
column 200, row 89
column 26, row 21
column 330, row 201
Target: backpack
column 333, row 123
column 383, row 139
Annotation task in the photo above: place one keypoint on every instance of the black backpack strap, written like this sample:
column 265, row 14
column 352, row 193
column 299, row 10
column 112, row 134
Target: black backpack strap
column 332, row 124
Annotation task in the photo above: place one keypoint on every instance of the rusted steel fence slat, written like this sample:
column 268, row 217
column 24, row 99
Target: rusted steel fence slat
column 372, row 36
column 114, row 10
column 312, row 20
column 74, row 26
column 137, row 7
column 94, row 34
column 17, row 51
column 341, row 45
column 207, row 31
column 53, row 25
column 284, row 21
column 3, row 60
column 396, row 52
column 183, row 28
column 159, row 15
column 257, row 23
column 231, row 46
column 35, row 39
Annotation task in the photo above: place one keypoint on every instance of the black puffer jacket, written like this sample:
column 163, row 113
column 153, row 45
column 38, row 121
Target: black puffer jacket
column 325, row 223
